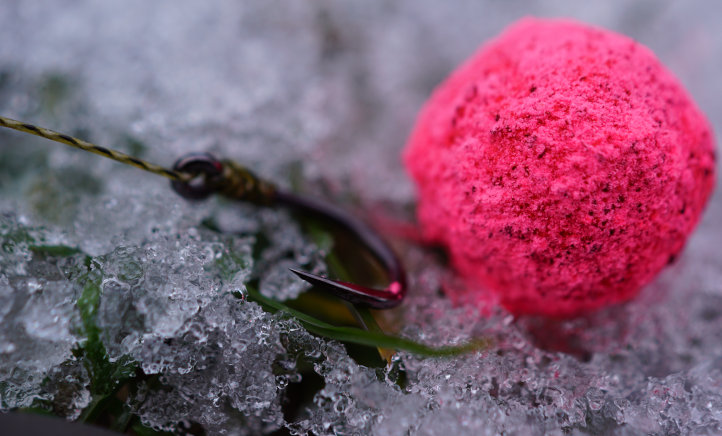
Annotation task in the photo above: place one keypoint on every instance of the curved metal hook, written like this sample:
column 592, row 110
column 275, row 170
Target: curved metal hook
column 198, row 175
column 238, row 183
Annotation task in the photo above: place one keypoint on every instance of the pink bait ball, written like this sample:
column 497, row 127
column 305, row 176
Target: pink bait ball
column 562, row 166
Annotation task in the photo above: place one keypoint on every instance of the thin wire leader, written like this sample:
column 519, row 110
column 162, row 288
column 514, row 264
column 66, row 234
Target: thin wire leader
column 92, row 148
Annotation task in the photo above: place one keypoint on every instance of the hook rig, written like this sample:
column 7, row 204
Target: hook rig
column 197, row 176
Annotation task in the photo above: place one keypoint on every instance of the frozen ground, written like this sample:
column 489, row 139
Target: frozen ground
column 324, row 92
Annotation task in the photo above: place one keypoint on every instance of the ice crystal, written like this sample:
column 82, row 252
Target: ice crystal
column 106, row 276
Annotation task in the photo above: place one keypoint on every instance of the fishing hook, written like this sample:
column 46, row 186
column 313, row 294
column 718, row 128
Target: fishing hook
column 198, row 175
column 236, row 182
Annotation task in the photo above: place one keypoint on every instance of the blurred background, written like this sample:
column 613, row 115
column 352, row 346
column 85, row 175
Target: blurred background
column 319, row 96
column 342, row 81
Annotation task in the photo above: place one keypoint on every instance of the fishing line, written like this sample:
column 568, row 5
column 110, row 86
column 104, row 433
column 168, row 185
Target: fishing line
column 92, row 148
column 196, row 176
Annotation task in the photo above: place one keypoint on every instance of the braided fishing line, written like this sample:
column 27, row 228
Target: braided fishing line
column 92, row 148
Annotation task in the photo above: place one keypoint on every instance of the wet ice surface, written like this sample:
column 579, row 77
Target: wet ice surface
column 323, row 92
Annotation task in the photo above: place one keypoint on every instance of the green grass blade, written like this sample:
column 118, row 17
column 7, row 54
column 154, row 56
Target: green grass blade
column 364, row 337
column 54, row 250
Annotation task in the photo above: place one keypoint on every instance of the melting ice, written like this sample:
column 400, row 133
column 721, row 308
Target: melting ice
column 324, row 93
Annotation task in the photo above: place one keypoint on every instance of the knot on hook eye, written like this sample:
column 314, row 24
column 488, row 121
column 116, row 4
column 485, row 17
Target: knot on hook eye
column 206, row 171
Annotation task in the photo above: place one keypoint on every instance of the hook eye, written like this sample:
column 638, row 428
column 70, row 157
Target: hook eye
column 205, row 168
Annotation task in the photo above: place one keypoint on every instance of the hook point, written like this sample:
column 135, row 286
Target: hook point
column 374, row 298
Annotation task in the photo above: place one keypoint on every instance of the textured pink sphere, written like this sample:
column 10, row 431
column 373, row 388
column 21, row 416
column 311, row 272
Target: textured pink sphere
column 562, row 166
